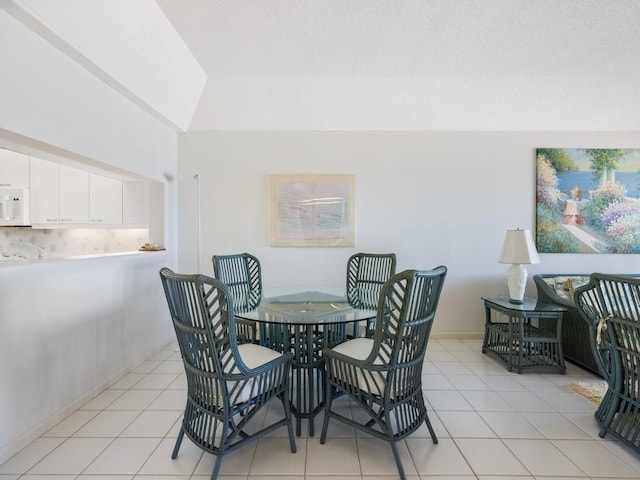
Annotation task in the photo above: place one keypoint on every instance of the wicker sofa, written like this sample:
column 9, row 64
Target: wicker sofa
column 558, row 289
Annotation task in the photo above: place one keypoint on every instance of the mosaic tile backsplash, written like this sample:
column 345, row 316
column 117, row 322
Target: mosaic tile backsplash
column 36, row 243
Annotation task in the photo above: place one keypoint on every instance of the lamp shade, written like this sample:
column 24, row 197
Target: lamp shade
column 518, row 248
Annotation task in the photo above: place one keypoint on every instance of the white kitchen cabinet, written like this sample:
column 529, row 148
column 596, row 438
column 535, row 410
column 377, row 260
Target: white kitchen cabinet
column 73, row 195
column 135, row 203
column 59, row 194
column 64, row 196
column 105, row 200
column 44, row 190
column 14, row 169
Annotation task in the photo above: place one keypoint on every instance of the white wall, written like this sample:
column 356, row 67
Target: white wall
column 432, row 197
column 69, row 328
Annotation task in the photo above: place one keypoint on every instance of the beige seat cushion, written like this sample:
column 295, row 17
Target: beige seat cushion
column 253, row 356
column 359, row 349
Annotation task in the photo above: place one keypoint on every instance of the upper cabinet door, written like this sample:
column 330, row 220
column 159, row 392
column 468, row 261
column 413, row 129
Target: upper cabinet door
column 105, row 200
column 14, row 169
column 74, row 195
column 43, row 192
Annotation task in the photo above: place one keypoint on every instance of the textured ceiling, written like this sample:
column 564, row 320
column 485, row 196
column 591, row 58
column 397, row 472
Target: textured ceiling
column 346, row 38
column 359, row 64
column 414, row 64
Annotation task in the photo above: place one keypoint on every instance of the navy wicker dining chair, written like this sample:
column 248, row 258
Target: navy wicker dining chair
column 228, row 383
column 242, row 273
column 366, row 273
column 383, row 374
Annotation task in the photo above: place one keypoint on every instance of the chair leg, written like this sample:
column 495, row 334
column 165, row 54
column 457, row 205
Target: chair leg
column 431, row 431
column 176, row 448
column 327, row 408
column 396, row 455
column 287, row 414
column 216, row 467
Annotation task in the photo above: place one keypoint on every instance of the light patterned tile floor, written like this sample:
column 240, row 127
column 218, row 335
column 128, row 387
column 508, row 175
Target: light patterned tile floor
column 492, row 424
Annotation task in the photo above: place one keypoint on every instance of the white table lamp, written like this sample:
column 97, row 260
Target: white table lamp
column 518, row 250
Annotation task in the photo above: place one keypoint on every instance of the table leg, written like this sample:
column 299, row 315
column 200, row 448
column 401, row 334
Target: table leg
column 487, row 321
column 521, row 341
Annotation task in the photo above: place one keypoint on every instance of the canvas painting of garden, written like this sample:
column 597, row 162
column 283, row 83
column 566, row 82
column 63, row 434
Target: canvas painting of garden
column 588, row 200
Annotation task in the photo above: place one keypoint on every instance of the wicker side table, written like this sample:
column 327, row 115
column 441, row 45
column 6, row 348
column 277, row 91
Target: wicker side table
column 527, row 335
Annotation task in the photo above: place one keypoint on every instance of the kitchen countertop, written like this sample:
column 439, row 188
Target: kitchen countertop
column 17, row 260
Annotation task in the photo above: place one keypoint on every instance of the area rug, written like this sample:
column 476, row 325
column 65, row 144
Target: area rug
column 594, row 391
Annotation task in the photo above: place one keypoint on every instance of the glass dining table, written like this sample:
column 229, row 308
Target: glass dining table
column 304, row 321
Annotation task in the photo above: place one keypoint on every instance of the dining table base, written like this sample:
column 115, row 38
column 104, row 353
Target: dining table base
column 308, row 377
column 303, row 321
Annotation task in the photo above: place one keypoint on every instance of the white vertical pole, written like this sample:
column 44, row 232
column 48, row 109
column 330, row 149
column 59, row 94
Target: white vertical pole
column 198, row 220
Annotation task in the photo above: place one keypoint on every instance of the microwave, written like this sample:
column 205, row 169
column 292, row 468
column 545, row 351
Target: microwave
column 14, row 207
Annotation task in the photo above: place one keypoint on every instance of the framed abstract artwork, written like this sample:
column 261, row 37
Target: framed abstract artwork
column 588, row 200
column 312, row 210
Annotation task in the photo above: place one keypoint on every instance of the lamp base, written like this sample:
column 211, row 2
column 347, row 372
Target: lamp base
column 516, row 281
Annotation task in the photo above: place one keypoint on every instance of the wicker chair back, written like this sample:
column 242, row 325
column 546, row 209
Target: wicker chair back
column 242, row 274
column 611, row 305
column 366, row 273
